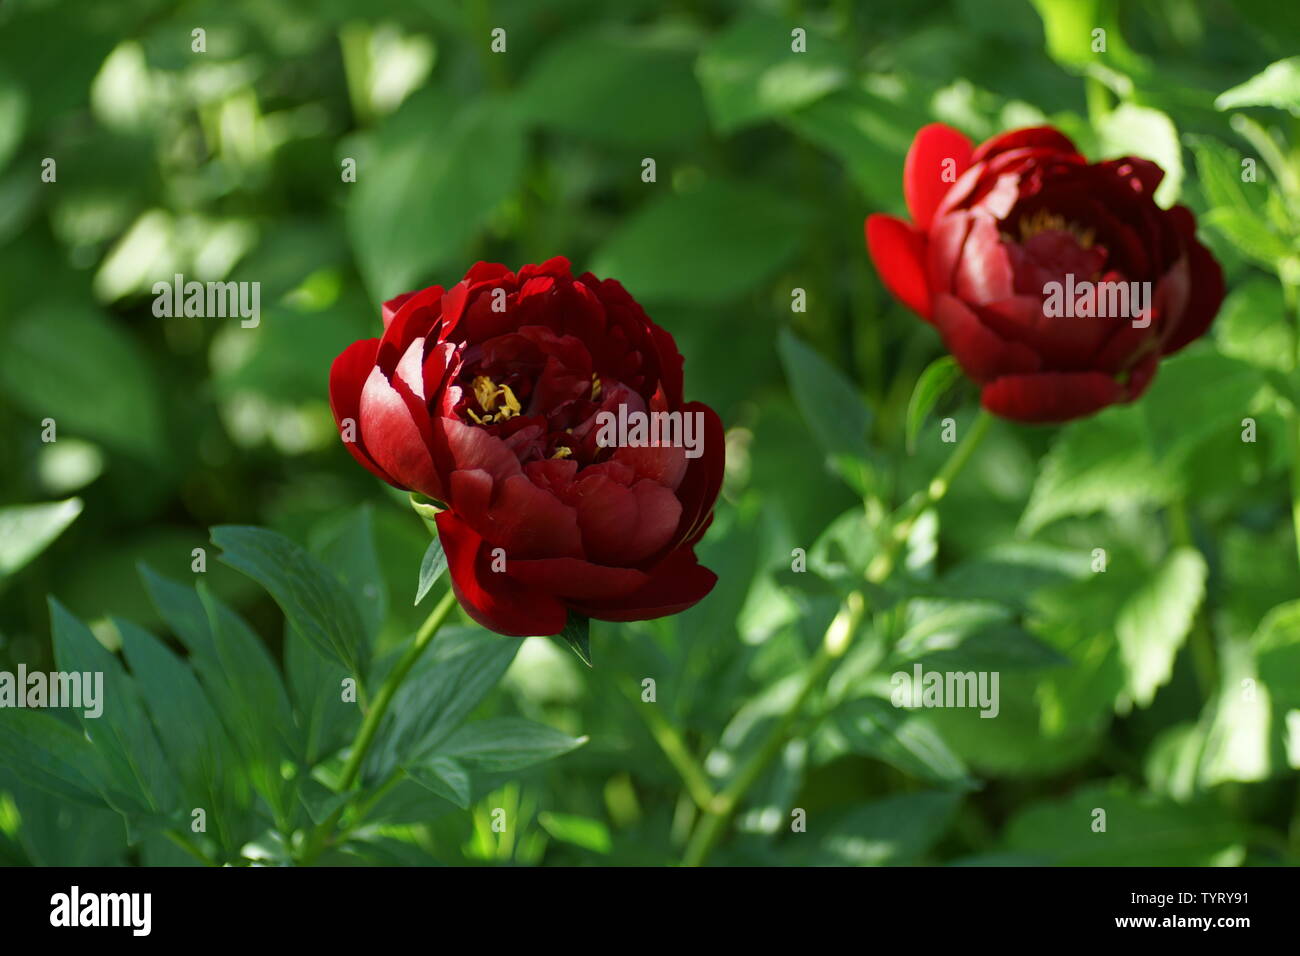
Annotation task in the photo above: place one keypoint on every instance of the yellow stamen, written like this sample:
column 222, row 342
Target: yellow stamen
column 595, row 387
column 563, row 451
column 489, row 393
column 1044, row 220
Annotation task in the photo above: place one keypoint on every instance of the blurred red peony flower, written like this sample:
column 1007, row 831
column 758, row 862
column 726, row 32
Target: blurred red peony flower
column 490, row 398
column 1056, row 283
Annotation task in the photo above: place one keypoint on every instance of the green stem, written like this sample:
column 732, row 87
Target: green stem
column 883, row 563
column 718, row 814
column 679, row 755
column 374, row 717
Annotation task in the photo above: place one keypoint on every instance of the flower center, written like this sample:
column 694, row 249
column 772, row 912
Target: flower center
column 497, row 402
column 1044, row 220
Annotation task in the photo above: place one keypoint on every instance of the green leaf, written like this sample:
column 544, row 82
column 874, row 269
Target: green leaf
column 507, row 743
column 831, row 405
column 1140, row 830
column 53, row 755
column 889, row 832
column 121, row 733
column 1196, row 395
column 443, row 776
column 1277, row 86
column 709, row 246
column 188, row 727
column 750, row 72
column 937, row 378
column 1155, row 621
column 1277, row 646
column 431, row 568
column 593, row 84
column 440, row 167
column 27, row 530
column 577, row 635
column 313, row 601
column 351, row 555
column 458, row 670
column 584, row 832
column 1248, row 326
column 964, row 636
column 1097, row 464
column 73, row 365
column 904, row 740
column 1253, row 236
column 1132, row 130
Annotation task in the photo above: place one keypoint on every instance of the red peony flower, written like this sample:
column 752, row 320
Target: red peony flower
column 1056, row 283
column 507, row 399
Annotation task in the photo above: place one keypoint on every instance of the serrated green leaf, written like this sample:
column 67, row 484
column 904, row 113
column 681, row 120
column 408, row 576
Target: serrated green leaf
column 1155, row 621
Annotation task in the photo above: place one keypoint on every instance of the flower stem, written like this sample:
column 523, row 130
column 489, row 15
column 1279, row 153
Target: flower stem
column 679, row 755
column 718, row 814
column 374, row 717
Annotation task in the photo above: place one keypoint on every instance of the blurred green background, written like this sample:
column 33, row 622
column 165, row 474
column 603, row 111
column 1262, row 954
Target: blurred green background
column 227, row 164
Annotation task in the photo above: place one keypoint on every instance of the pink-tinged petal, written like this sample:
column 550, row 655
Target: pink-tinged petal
column 623, row 526
column 471, row 447
column 1051, row 397
column 494, row 599
column 980, row 351
column 943, row 251
column 389, row 308
column 572, row 579
column 394, row 439
column 1207, row 289
column 676, row 584
column 666, row 465
column 1035, row 137
column 984, row 272
column 898, row 251
column 348, row 376
column 938, row 155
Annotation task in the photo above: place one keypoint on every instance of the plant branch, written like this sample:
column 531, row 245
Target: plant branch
column 374, row 717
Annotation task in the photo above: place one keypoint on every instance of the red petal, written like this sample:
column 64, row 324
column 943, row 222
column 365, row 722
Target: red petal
column 1207, row 289
column 980, row 351
column 1051, row 397
column 393, row 437
column 984, row 272
column 1037, row 137
column 493, row 598
column 676, row 584
column 571, row 578
column 938, row 155
column 898, row 251
column 623, row 526
column 348, row 377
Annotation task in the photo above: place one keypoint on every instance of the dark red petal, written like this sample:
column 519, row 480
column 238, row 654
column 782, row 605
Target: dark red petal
column 623, row 526
column 898, row 251
column 699, row 489
column 678, row 582
column 1036, row 137
column 938, row 155
column 571, row 578
column 348, row 377
column 1207, row 289
column 492, row 598
column 1051, row 397
column 980, row 351
column 515, row 514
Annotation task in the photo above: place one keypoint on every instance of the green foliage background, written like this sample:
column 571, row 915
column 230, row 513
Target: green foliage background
column 1161, row 690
